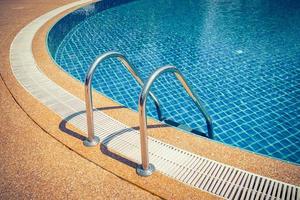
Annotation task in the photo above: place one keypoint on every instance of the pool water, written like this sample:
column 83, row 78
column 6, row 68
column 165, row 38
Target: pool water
column 241, row 57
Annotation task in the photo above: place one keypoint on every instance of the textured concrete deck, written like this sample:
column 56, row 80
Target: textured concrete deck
column 33, row 165
column 36, row 166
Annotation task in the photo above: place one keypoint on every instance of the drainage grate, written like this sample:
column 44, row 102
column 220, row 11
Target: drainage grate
column 191, row 169
column 199, row 172
column 229, row 182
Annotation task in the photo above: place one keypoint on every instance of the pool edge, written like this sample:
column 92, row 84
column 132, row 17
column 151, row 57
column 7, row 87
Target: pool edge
column 72, row 85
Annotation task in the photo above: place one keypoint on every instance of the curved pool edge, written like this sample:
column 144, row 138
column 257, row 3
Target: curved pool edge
column 130, row 118
column 73, row 85
column 58, row 30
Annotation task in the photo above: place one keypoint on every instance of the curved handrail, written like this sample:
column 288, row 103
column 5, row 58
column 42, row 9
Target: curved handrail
column 92, row 140
column 146, row 169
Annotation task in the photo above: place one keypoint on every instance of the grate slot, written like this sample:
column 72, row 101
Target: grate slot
column 297, row 194
column 288, row 196
column 279, row 190
column 275, row 189
column 283, row 192
column 293, row 197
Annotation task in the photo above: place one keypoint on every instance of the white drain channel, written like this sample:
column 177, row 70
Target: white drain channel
column 216, row 178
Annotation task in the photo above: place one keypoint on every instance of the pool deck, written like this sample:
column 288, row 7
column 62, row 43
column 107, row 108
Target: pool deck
column 34, row 165
column 58, row 164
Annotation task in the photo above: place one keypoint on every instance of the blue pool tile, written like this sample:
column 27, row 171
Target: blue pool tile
column 244, row 69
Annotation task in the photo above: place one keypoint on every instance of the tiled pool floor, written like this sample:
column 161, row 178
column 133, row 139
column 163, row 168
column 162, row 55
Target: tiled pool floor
column 245, row 69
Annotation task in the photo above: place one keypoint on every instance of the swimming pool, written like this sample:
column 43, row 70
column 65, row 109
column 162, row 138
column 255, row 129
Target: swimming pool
column 241, row 58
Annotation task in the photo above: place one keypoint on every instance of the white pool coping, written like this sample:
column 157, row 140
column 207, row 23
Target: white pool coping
column 196, row 171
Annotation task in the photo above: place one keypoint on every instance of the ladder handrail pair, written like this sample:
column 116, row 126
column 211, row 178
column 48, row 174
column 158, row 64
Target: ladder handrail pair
column 145, row 169
column 93, row 140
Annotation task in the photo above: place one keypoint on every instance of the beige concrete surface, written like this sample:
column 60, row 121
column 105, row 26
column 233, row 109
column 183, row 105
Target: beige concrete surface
column 33, row 165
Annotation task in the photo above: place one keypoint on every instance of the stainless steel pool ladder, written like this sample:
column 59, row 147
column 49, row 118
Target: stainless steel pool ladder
column 93, row 140
column 147, row 169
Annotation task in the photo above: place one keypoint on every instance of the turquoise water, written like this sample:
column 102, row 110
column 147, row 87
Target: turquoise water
column 241, row 57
